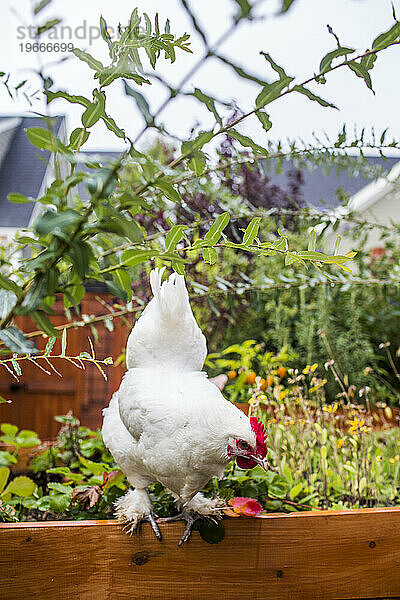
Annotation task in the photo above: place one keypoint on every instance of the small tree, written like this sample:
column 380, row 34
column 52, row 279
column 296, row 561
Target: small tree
column 105, row 237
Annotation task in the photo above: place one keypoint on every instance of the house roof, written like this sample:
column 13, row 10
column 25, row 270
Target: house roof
column 23, row 170
column 22, row 167
column 375, row 191
column 320, row 186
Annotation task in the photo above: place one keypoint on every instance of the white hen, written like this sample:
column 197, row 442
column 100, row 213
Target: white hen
column 168, row 422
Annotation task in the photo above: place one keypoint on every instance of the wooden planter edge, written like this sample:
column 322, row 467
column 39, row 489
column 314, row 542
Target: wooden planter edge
column 321, row 555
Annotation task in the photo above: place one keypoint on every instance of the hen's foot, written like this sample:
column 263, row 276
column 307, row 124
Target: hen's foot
column 190, row 518
column 130, row 526
column 135, row 508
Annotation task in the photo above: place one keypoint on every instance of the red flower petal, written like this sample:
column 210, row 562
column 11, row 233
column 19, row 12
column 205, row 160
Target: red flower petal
column 246, row 506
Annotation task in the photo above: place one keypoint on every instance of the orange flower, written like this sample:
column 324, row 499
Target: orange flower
column 262, row 384
column 282, row 372
column 270, row 380
column 246, row 506
column 251, row 377
column 232, row 374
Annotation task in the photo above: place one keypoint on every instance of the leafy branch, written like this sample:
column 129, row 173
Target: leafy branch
column 13, row 365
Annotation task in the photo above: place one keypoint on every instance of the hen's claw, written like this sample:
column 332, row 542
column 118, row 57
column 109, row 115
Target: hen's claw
column 151, row 518
column 189, row 518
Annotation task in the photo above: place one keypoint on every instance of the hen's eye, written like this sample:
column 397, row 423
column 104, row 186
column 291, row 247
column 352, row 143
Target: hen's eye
column 243, row 445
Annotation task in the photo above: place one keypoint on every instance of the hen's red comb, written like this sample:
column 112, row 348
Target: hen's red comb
column 261, row 436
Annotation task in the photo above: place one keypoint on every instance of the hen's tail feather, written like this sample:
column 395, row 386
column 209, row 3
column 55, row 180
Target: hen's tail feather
column 167, row 332
column 170, row 296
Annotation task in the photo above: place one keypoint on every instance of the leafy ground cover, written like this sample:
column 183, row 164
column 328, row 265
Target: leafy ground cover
column 328, row 456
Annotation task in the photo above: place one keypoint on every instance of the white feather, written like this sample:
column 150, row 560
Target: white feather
column 167, row 333
column 168, row 422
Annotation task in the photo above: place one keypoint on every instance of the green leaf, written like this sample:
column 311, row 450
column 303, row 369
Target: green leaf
column 251, row 231
column 264, row 119
column 21, row 486
column 78, row 137
column 277, row 68
column 117, row 290
column 272, row 91
column 361, row 72
column 96, row 468
column 173, row 237
column 210, row 255
column 27, row 439
column 302, row 90
column 211, row 532
column 112, row 126
column 50, row 344
column 295, row 491
column 44, row 324
column 7, row 301
column 80, row 253
column 35, row 295
column 60, row 488
column 9, row 429
column 59, row 502
column 247, row 142
column 326, row 62
column 42, row 4
column 106, row 37
column 19, row 198
column 388, row 37
column 102, row 183
column 312, row 239
column 198, row 162
column 41, row 138
column 9, row 284
column 95, row 110
column 141, row 103
column 245, row 9
column 50, row 222
column 123, row 280
column 203, row 138
column 131, row 258
column 178, row 267
column 241, row 72
column 170, row 192
column 4, row 475
column 214, row 233
column 63, row 342
column 74, row 295
column 209, row 103
column 46, row 26
column 122, row 227
column 70, row 98
column 15, row 340
column 88, row 59
column 286, row 4
column 7, row 459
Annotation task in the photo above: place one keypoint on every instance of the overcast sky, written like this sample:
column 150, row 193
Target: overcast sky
column 297, row 40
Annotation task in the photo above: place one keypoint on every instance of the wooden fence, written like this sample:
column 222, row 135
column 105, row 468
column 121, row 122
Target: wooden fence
column 322, row 555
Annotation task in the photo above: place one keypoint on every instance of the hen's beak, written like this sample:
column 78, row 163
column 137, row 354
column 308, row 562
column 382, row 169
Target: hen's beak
column 264, row 464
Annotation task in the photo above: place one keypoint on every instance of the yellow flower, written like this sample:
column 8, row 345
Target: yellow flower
column 394, row 460
column 340, row 443
column 357, row 425
column 379, row 458
column 310, row 369
column 332, row 408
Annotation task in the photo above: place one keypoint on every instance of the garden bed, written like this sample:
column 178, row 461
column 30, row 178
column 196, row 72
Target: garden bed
column 321, row 555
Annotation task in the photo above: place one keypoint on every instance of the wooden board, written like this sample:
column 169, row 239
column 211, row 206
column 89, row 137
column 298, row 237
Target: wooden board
column 322, row 555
